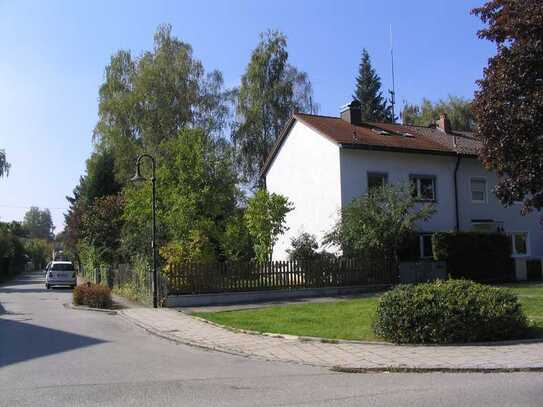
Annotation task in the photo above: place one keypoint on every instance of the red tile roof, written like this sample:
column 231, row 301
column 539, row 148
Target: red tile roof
column 396, row 137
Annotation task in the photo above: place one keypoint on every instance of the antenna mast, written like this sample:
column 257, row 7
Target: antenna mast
column 393, row 92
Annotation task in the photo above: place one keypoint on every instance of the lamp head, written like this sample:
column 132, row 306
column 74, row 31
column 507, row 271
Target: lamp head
column 137, row 177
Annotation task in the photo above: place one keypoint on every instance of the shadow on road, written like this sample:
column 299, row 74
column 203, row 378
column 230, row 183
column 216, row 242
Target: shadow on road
column 20, row 341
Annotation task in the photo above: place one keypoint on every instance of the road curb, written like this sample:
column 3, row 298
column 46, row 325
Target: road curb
column 287, row 336
column 84, row 308
column 400, row 369
column 356, row 342
column 175, row 339
column 338, row 369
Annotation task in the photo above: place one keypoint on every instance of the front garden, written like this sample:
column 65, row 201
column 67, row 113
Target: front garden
column 352, row 318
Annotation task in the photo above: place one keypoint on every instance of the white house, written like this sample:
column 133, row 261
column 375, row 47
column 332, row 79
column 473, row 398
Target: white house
column 321, row 163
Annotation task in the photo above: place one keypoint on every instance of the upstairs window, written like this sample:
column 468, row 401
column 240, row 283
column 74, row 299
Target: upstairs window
column 377, row 180
column 423, row 187
column 478, row 190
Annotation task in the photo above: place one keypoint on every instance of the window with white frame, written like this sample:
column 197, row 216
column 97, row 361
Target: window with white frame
column 376, row 180
column 423, row 187
column 484, row 225
column 478, row 190
column 425, row 244
column 520, row 243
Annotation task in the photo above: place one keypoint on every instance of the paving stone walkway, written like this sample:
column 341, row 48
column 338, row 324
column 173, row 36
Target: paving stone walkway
column 183, row 328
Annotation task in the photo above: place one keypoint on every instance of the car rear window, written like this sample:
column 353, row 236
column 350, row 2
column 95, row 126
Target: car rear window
column 62, row 267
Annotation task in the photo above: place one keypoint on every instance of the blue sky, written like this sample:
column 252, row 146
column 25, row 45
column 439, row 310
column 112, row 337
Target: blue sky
column 54, row 54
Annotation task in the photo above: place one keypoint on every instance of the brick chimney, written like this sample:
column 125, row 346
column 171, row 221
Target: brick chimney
column 444, row 123
column 352, row 112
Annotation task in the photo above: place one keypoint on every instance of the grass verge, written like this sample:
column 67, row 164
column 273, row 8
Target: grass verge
column 347, row 319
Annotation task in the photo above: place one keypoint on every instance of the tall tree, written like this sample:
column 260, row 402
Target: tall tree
column 508, row 104
column 102, row 224
column 4, row 165
column 368, row 91
column 196, row 192
column 146, row 100
column 72, row 220
column 99, row 181
column 39, row 223
column 39, row 250
column 458, row 110
column 271, row 90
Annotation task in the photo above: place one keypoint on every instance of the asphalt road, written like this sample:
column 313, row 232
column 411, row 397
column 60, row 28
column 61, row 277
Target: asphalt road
column 54, row 356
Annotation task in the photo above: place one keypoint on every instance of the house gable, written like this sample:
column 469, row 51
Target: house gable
column 305, row 169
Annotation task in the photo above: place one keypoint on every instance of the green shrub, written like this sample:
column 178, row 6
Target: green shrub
column 92, row 295
column 303, row 247
column 12, row 256
column 88, row 261
column 483, row 257
column 133, row 281
column 450, row 311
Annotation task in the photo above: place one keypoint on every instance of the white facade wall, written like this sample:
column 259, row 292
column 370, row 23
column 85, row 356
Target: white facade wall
column 512, row 219
column 306, row 171
column 319, row 177
column 355, row 165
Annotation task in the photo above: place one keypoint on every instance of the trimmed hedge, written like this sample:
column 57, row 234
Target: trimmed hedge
column 453, row 311
column 12, row 255
column 483, row 257
column 92, row 295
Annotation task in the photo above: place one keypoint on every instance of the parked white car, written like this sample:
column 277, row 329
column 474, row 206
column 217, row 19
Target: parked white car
column 60, row 273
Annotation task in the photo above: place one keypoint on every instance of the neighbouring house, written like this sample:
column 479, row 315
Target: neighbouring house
column 322, row 163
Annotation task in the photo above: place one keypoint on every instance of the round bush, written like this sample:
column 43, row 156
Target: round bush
column 92, row 295
column 452, row 311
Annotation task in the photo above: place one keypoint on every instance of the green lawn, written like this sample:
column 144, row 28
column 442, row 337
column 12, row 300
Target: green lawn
column 345, row 319
column 531, row 298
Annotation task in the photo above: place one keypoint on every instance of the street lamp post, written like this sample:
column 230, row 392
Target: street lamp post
column 136, row 178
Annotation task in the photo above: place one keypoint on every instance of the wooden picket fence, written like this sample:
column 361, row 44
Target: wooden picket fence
column 193, row 278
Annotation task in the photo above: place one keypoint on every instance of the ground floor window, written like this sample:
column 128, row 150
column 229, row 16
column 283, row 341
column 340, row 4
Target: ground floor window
column 478, row 190
column 423, row 187
column 425, row 243
column 377, row 180
column 520, row 243
column 486, row 225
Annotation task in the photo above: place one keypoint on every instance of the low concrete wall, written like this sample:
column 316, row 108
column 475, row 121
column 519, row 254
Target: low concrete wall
column 199, row 300
column 521, row 273
column 422, row 271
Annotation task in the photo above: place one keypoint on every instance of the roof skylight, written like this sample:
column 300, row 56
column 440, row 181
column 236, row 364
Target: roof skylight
column 381, row 132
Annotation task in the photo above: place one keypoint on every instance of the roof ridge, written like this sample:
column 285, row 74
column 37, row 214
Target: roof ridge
column 316, row 115
column 369, row 123
column 340, row 132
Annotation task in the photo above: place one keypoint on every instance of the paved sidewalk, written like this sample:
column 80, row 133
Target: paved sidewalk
column 183, row 328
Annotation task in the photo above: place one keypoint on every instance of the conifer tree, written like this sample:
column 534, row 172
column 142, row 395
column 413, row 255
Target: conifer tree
column 368, row 91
